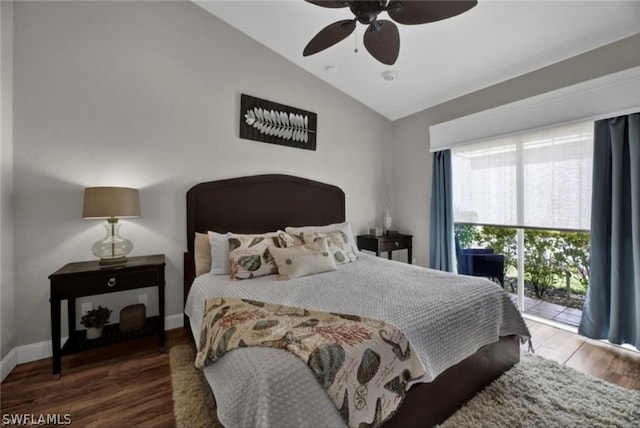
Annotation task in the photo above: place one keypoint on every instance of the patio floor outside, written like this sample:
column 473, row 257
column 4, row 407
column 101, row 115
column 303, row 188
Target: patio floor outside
column 551, row 311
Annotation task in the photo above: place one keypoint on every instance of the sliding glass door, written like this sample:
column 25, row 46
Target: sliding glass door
column 528, row 197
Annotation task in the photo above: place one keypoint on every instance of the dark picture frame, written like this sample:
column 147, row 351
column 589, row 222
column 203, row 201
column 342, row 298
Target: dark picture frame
column 274, row 123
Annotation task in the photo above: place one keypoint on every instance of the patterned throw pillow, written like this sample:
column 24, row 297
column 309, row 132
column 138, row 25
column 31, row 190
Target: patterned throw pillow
column 250, row 255
column 290, row 239
column 301, row 260
column 338, row 243
column 344, row 227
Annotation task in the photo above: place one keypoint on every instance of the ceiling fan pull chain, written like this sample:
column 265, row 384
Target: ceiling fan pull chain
column 355, row 49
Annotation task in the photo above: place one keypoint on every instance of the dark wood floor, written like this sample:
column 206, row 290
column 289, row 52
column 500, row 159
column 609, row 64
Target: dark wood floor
column 123, row 385
column 129, row 383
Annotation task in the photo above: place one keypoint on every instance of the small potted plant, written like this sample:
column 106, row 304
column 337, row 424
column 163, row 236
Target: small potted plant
column 94, row 320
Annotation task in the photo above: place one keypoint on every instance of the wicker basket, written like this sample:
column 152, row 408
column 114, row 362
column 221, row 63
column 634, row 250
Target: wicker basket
column 133, row 317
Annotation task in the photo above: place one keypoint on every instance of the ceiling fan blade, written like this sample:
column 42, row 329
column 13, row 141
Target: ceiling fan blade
column 334, row 4
column 329, row 36
column 421, row 12
column 384, row 44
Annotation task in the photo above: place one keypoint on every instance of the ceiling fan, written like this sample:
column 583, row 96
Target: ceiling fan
column 381, row 38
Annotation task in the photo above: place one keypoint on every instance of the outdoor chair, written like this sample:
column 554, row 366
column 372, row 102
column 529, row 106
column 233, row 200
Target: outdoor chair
column 480, row 262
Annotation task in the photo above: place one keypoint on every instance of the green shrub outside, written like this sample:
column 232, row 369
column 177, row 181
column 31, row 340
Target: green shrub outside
column 550, row 256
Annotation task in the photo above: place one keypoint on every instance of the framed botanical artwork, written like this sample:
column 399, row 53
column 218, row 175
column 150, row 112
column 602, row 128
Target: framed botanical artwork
column 269, row 122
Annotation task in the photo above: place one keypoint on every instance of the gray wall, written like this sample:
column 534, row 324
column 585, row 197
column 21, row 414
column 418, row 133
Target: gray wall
column 146, row 94
column 7, row 333
column 411, row 157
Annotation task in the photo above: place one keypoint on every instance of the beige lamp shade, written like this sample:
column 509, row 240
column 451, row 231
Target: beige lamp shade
column 108, row 202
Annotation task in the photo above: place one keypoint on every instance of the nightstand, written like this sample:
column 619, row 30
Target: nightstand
column 388, row 243
column 90, row 278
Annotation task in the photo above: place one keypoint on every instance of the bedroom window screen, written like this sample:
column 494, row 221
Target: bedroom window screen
column 540, row 179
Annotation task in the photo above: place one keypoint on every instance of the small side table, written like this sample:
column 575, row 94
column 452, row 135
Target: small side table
column 388, row 243
column 90, row 278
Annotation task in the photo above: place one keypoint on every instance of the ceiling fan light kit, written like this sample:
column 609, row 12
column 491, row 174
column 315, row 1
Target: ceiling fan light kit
column 382, row 38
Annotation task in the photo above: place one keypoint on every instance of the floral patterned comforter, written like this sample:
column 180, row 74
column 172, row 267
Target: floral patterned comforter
column 364, row 364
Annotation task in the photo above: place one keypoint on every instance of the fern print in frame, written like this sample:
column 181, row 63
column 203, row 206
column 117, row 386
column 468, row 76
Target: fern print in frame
column 269, row 122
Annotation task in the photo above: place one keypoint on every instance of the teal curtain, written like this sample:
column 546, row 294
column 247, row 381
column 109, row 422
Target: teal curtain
column 441, row 227
column 612, row 306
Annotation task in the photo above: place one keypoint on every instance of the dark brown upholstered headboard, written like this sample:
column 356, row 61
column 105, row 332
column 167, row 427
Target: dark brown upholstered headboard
column 257, row 204
column 261, row 203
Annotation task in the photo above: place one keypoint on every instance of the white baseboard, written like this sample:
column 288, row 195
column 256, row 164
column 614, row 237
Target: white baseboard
column 37, row 351
column 8, row 363
column 173, row 321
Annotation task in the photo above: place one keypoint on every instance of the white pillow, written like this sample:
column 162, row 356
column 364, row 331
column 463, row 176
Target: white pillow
column 219, row 253
column 302, row 260
column 342, row 227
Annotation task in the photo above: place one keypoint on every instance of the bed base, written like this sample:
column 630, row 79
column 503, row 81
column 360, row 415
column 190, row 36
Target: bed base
column 429, row 404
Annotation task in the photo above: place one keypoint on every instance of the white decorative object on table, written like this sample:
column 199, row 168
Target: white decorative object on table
column 387, row 222
column 386, row 200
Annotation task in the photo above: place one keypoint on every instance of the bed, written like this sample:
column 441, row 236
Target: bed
column 267, row 396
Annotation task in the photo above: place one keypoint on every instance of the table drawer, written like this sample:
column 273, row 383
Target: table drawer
column 390, row 243
column 107, row 283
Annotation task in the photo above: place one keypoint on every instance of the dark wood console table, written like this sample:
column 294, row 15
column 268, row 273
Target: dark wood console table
column 388, row 243
column 90, row 278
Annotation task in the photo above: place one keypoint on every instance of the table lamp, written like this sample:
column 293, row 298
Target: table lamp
column 111, row 203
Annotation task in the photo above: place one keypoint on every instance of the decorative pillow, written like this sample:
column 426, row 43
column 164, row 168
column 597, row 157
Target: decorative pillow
column 342, row 227
column 290, row 239
column 301, row 260
column 338, row 244
column 202, row 253
column 250, row 255
column 219, row 253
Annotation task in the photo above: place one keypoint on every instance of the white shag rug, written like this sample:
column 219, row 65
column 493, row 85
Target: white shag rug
column 538, row 392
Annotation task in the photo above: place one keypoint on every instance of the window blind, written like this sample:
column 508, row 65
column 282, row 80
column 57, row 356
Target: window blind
column 539, row 179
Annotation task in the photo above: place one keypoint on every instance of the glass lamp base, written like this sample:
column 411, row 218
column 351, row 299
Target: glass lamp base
column 112, row 249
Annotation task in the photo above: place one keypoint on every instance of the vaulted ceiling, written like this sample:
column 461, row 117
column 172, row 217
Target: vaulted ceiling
column 492, row 42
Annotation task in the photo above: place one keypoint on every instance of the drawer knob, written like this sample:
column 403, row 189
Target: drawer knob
column 397, row 244
column 111, row 282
